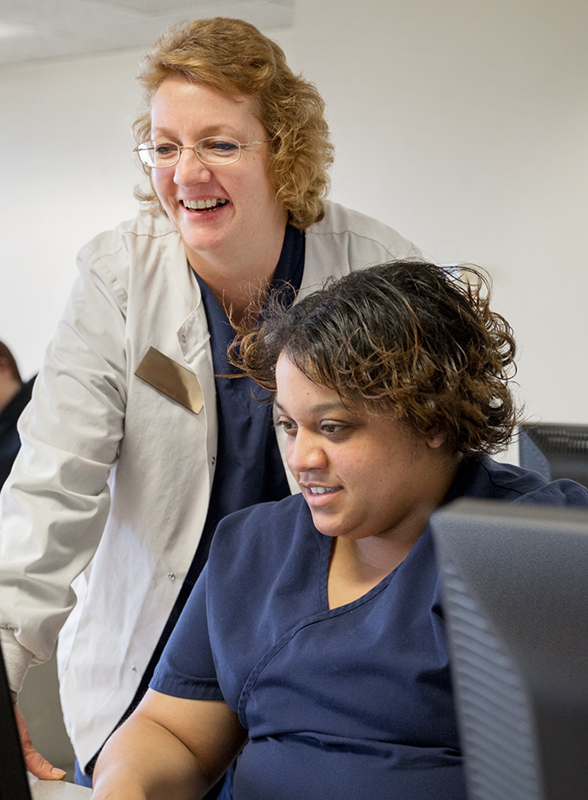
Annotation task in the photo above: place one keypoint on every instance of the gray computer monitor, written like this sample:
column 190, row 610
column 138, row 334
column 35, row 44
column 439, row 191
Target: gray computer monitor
column 515, row 587
column 556, row 450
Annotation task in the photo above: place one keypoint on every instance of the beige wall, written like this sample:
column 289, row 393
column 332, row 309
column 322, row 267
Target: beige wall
column 462, row 123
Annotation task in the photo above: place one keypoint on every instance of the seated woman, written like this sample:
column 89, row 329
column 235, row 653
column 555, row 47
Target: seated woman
column 314, row 641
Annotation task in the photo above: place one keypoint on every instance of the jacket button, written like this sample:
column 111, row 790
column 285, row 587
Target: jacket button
column 171, row 576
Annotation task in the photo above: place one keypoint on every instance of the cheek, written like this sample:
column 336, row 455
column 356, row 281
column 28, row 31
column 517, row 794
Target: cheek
column 257, row 183
column 244, row 188
column 289, row 449
column 157, row 184
column 161, row 184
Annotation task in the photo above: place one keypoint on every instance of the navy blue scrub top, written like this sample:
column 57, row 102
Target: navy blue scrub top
column 249, row 468
column 347, row 703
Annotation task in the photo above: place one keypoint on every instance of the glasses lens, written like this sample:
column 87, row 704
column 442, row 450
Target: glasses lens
column 145, row 153
column 157, row 155
column 213, row 150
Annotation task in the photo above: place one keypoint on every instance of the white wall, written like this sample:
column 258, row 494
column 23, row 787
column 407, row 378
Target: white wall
column 66, row 173
column 462, row 123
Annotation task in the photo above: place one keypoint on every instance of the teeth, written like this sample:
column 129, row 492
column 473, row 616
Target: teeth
column 320, row 490
column 198, row 205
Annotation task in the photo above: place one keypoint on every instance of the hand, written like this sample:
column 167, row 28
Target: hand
column 34, row 761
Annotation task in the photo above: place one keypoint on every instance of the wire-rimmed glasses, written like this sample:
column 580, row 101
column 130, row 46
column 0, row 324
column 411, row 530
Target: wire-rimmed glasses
column 212, row 150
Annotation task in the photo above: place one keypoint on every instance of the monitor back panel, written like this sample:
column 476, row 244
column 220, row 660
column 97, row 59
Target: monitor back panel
column 515, row 584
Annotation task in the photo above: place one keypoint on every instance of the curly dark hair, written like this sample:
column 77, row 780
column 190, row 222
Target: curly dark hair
column 410, row 339
column 233, row 56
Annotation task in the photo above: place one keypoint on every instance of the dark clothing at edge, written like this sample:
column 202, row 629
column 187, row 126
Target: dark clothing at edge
column 9, row 438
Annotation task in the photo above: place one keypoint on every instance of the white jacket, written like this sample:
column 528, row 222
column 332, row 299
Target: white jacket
column 110, row 490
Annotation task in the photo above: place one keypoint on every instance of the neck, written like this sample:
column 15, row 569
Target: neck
column 239, row 278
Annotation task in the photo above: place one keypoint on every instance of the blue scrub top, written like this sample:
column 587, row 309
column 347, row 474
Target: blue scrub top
column 249, row 468
column 343, row 703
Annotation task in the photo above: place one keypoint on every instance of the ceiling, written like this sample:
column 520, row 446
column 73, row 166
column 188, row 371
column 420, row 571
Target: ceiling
column 35, row 30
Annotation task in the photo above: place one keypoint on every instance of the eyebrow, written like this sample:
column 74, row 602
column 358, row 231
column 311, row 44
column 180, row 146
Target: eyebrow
column 320, row 408
column 210, row 130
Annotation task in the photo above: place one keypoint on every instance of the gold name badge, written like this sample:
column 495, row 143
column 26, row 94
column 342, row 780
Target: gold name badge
column 172, row 379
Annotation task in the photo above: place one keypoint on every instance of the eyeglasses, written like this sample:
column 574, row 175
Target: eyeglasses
column 210, row 150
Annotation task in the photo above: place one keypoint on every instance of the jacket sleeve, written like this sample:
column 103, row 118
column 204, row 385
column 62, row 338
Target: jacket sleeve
column 55, row 503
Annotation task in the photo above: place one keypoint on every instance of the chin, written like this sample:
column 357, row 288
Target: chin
column 326, row 530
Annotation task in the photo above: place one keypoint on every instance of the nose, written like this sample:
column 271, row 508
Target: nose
column 305, row 452
column 190, row 169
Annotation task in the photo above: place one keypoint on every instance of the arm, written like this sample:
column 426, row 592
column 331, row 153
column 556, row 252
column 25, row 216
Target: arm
column 17, row 659
column 56, row 501
column 169, row 747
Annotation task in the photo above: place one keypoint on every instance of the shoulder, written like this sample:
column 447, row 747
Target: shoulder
column 135, row 249
column 495, row 480
column 562, row 492
column 145, row 227
column 277, row 521
column 147, row 235
column 267, row 533
column 346, row 240
column 340, row 221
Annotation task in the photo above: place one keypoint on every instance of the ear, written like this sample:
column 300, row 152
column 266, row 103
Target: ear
column 434, row 442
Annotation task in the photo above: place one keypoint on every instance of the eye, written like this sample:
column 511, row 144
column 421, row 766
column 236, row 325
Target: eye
column 335, row 429
column 289, row 427
column 221, row 148
column 165, row 150
column 330, row 427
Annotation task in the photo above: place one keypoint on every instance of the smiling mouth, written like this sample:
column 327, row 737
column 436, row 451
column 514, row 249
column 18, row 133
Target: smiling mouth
column 320, row 490
column 203, row 205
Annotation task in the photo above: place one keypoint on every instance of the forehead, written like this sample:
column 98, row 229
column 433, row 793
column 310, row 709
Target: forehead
column 297, row 392
column 180, row 102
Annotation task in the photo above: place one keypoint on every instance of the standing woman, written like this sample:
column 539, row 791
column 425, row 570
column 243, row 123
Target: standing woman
column 135, row 445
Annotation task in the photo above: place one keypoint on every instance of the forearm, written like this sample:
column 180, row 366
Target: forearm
column 170, row 747
column 145, row 761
